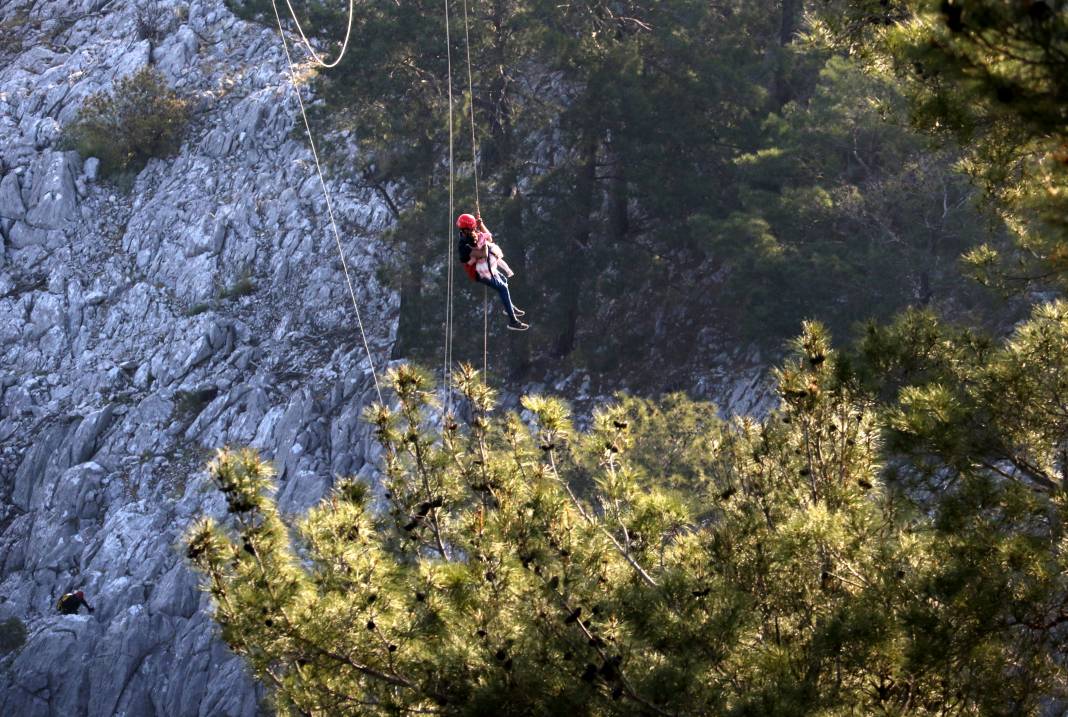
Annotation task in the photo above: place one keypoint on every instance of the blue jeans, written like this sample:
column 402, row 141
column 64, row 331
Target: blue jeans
column 501, row 285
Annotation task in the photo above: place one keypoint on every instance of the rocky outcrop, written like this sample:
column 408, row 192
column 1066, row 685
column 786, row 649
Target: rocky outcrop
column 127, row 352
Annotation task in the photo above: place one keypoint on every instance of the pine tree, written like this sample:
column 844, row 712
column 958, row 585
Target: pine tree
column 993, row 76
column 841, row 204
column 664, row 561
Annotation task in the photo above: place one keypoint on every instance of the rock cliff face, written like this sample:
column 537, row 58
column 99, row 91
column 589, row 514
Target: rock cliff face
column 126, row 353
column 142, row 327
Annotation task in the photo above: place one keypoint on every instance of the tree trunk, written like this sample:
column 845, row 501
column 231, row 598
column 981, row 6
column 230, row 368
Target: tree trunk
column 578, row 263
column 788, row 25
column 620, row 200
column 410, row 324
column 791, row 19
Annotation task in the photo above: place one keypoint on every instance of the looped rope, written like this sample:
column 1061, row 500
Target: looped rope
column 315, row 56
column 326, row 192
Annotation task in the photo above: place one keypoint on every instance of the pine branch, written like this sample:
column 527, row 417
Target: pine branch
column 597, row 524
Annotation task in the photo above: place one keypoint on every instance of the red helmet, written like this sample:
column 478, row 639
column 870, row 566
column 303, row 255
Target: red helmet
column 466, row 221
column 80, row 595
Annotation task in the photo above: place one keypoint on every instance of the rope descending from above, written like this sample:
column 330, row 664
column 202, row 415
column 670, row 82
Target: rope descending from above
column 478, row 209
column 326, row 192
column 485, row 334
column 471, row 98
column 315, row 56
column 447, row 370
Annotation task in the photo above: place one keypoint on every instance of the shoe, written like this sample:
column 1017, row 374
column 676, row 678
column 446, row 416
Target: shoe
column 518, row 326
column 518, row 311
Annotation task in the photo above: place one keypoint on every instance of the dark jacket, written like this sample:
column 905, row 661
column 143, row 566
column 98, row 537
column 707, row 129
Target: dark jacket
column 70, row 603
column 465, row 244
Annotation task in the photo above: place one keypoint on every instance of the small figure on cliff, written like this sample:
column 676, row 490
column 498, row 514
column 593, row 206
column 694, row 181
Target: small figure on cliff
column 70, row 603
column 484, row 262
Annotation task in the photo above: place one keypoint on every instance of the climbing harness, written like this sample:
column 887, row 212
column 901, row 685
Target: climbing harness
column 319, row 170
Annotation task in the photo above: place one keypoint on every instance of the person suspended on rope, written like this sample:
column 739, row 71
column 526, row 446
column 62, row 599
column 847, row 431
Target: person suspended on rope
column 484, row 262
column 487, row 258
column 70, row 603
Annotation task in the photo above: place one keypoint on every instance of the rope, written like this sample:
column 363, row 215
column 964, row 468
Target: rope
column 326, row 193
column 447, row 370
column 315, row 56
column 485, row 335
column 478, row 209
column 471, row 96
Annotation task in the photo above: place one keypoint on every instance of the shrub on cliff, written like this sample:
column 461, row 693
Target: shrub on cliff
column 12, row 634
column 139, row 118
column 663, row 562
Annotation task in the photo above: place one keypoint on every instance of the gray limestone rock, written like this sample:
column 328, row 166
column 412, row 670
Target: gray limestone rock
column 91, row 168
column 53, row 198
column 23, row 235
column 37, row 462
column 137, row 56
column 141, row 331
column 11, row 205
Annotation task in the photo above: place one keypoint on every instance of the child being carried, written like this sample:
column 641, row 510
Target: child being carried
column 488, row 257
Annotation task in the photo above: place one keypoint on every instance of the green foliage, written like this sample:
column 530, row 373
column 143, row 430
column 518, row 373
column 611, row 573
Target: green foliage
column 138, row 119
column 243, row 286
column 844, row 207
column 964, row 402
column 665, row 561
column 12, row 634
column 994, row 75
column 197, row 309
column 671, row 442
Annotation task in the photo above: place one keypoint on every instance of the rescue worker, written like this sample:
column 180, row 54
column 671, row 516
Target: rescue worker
column 70, row 603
